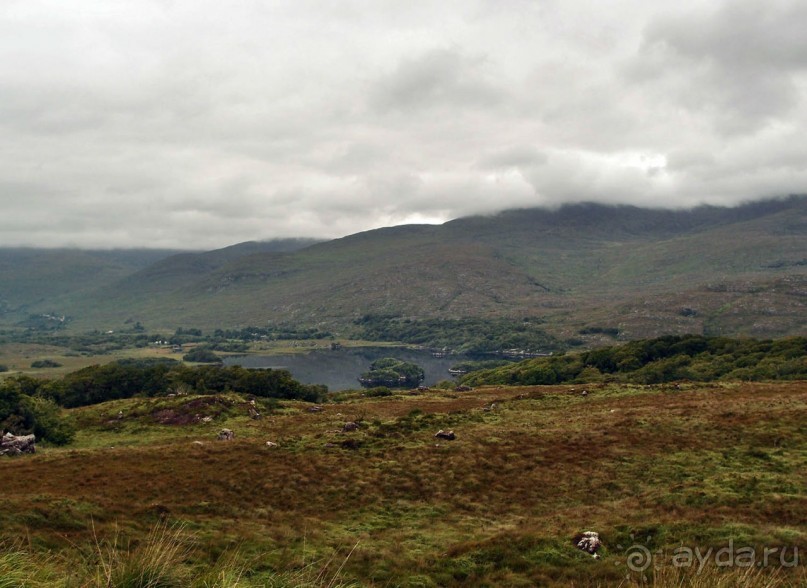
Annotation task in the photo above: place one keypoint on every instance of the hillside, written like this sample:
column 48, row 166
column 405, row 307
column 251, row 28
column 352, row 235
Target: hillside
column 579, row 268
column 47, row 280
column 385, row 503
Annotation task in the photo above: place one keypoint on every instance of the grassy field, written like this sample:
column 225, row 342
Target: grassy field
column 659, row 468
column 19, row 357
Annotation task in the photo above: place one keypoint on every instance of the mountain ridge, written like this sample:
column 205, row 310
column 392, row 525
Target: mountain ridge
column 735, row 271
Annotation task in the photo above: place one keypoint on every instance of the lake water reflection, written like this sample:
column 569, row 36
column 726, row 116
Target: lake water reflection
column 339, row 369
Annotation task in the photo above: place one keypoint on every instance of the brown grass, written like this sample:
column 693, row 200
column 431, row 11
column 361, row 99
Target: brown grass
column 498, row 506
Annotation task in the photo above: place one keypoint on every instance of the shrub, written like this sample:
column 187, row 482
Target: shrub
column 378, row 391
column 45, row 363
column 22, row 414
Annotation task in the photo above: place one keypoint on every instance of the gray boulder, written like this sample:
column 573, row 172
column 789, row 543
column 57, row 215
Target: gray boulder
column 17, row 445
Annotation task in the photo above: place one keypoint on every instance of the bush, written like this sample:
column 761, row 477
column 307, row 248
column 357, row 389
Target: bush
column 45, row 363
column 378, row 391
column 21, row 414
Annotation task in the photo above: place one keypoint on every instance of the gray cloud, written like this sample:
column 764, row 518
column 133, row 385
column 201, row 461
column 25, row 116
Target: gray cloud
column 201, row 124
column 437, row 78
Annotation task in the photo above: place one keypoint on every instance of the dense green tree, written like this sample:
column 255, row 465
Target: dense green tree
column 202, row 355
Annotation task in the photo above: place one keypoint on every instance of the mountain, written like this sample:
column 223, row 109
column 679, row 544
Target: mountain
column 584, row 267
column 37, row 281
column 40, row 280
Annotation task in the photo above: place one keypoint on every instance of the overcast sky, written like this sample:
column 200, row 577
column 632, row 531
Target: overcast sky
column 199, row 124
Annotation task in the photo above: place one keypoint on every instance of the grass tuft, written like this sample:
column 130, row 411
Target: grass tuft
column 20, row 569
column 156, row 563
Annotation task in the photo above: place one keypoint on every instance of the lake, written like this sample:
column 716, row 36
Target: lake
column 339, row 369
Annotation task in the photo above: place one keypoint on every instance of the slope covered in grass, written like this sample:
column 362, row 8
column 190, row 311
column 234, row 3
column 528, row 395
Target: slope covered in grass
column 698, row 465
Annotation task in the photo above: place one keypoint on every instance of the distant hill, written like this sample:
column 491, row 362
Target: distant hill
column 591, row 272
column 39, row 280
column 36, row 281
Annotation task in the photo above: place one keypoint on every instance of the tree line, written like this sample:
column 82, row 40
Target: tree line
column 664, row 359
column 30, row 405
column 465, row 335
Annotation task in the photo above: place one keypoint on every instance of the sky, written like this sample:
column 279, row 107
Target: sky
column 196, row 124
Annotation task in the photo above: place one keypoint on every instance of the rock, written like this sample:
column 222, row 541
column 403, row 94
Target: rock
column 588, row 541
column 197, row 444
column 463, row 388
column 447, row 435
column 350, row 427
column 14, row 445
column 315, row 409
column 271, row 444
column 253, row 413
column 584, row 393
column 225, row 435
column 207, row 419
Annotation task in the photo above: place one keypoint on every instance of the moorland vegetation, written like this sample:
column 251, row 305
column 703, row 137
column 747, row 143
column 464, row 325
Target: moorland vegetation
column 700, row 465
column 132, row 484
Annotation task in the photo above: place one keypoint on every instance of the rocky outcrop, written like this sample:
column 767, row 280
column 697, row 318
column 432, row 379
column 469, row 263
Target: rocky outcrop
column 17, row 445
column 225, row 435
